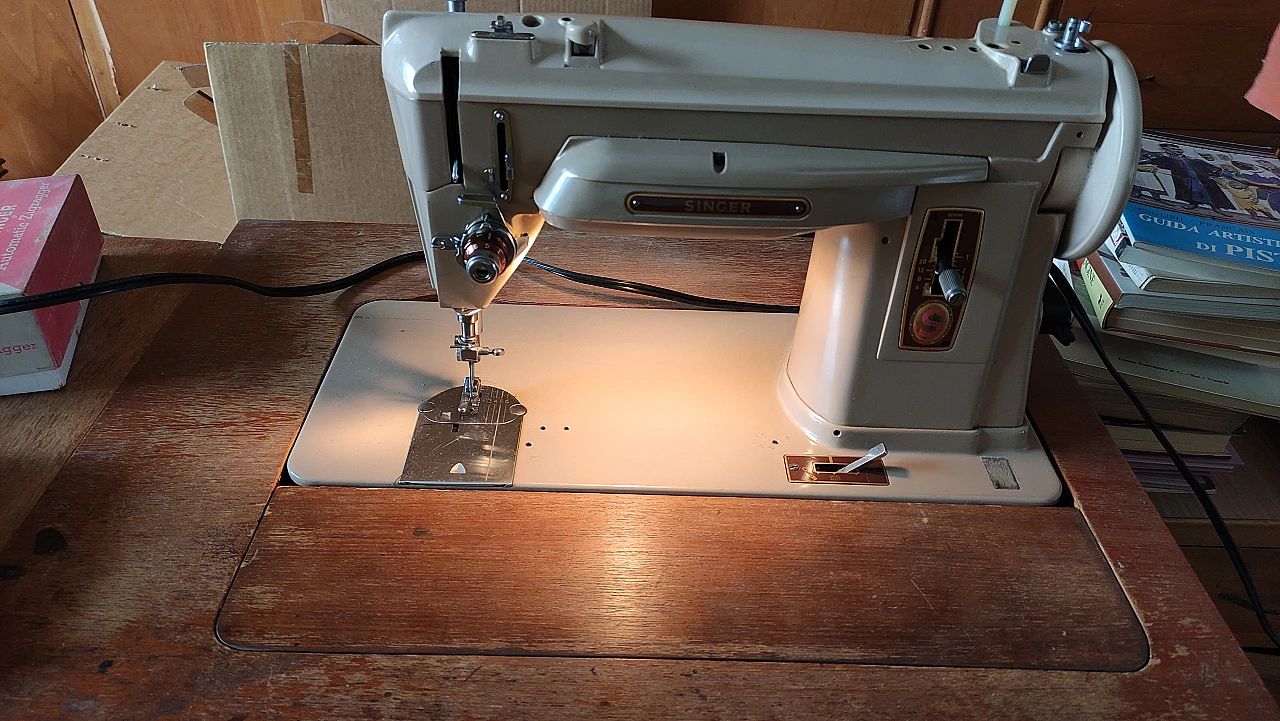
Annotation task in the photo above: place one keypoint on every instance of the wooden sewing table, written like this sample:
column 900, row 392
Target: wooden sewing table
column 168, row 571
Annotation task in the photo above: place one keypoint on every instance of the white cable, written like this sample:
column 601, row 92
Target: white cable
column 1006, row 17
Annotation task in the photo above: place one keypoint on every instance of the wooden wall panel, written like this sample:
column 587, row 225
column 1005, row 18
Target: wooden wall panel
column 142, row 33
column 1218, row 13
column 45, row 88
column 959, row 18
column 892, row 17
column 1195, row 78
column 1197, row 59
column 96, row 54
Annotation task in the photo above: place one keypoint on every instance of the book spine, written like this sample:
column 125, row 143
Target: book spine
column 1140, row 276
column 1100, row 269
column 1118, row 242
column 1100, row 295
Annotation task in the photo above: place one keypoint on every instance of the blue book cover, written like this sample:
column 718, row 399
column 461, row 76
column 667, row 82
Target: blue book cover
column 1211, row 239
column 1216, row 201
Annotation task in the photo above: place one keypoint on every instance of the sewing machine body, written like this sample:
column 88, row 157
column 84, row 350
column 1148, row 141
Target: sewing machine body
column 1003, row 151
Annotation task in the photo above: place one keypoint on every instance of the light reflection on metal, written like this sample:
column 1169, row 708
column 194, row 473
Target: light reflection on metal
column 483, row 440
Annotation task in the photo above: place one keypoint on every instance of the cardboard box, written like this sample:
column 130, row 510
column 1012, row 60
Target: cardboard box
column 153, row 169
column 307, row 133
column 49, row 239
column 306, row 129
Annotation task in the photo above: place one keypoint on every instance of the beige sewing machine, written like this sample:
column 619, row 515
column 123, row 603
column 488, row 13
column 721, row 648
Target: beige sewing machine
column 938, row 178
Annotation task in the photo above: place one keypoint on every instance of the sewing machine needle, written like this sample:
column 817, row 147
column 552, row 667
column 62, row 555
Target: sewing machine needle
column 874, row 454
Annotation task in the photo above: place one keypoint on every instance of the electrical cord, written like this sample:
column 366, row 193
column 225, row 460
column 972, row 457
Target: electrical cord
column 654, row 291
column 1210, row 508
column 1063, row 284
column 151, row 280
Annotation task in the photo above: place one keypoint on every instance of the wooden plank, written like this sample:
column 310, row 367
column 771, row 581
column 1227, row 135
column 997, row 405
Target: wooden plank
column 313, row 32
column 97, row 53
column 922, row 18
column 1102, row 485
column 1201, row 110
column 1180, row 56
column 590, row 574
column 49, row 103
column 158, row 504
column 142, row 33
column 1192, row 13
column 1195, row 83
column 116, row 330
column 959, row 18
column 892, row 17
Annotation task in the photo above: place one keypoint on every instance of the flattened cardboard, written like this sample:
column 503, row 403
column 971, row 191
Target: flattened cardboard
column 153, row 169
column 365, row 16
column 307, row 133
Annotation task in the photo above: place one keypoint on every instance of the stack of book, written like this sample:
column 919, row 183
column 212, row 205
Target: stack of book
column 1187, row 293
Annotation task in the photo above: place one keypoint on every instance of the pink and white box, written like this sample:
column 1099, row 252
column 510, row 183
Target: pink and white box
column 49, row 239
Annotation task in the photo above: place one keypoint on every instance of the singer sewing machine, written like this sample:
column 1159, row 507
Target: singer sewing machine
column 938, row 179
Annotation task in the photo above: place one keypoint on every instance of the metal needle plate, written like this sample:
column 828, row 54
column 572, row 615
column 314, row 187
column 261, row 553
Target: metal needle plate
column 464, row 450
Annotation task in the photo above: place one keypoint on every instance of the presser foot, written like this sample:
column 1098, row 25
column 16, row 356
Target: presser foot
column 465, row 441
column 467, row 348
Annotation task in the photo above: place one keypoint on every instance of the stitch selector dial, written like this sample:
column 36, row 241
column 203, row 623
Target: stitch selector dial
column 941, row 277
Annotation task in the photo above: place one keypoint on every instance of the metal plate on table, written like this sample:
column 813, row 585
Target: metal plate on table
column 825, row 469
column 475, row 448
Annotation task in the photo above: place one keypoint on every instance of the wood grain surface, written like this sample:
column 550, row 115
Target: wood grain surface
column 97, row 54
column 48, row 100
column 158, row 504
column 597, row 574
column 959, row 18
column 143, row 33
column 1186, row 84
column 42, row 429
column 892, row 17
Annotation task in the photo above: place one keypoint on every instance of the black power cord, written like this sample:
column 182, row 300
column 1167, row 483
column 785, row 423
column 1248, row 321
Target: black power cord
column 654, row 291
column 93, row 290
column 1210, row 508
column 151, row 280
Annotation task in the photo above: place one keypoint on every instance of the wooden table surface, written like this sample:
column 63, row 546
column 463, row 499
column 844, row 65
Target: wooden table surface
column 110, row 590
column 116, row 330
